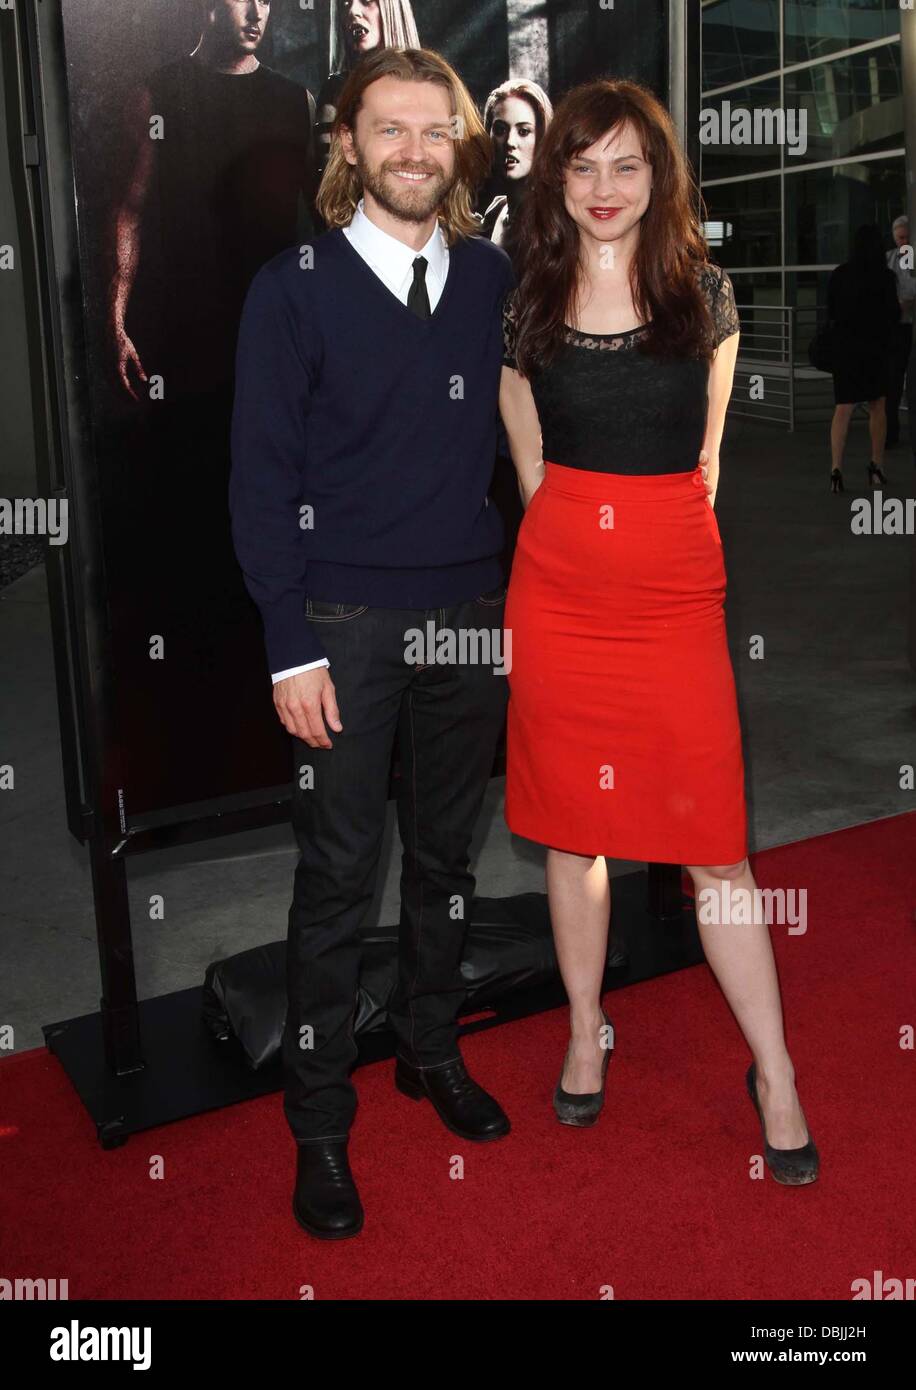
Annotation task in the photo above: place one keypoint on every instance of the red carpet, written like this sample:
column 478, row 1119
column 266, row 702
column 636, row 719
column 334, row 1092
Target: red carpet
column 655, row 1200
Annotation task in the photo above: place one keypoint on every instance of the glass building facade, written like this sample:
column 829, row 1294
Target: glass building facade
column 782, row 215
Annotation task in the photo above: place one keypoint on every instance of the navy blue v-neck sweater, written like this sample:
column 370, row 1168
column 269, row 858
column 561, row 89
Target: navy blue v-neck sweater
column 364, row 438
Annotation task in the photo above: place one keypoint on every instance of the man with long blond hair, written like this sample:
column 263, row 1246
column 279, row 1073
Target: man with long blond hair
column 363, row 444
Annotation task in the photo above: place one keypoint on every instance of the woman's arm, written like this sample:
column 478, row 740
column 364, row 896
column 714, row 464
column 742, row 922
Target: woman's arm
column 523, row 430
column 721, row 380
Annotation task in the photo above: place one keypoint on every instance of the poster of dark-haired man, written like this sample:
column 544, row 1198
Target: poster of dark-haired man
column 195, row 142
column 219, row 179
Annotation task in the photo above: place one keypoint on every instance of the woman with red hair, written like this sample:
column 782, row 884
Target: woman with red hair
column 623, row 733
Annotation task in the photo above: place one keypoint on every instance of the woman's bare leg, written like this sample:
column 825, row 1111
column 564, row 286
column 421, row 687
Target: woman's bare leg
column 877, row 428
column 839, row 428
column 741, row 957
column 579, row 894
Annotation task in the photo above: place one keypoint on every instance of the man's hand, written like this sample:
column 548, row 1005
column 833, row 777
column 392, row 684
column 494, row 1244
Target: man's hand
column 710, row 467
column 304, row 702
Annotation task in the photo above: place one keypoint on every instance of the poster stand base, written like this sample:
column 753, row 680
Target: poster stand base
column 184, row 1071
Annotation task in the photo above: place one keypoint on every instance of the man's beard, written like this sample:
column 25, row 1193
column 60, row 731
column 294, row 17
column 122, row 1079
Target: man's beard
column 409, row 202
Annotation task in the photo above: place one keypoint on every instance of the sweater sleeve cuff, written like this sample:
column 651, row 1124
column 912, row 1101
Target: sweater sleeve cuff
column 289, row 636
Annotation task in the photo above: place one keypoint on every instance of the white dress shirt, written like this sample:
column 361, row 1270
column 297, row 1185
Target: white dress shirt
column 392, row 262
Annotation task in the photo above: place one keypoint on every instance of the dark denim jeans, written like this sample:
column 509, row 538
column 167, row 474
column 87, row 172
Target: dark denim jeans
column 447, row 719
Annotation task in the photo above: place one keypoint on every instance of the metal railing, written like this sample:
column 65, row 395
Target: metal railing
column 764, row 387
column 774, row 381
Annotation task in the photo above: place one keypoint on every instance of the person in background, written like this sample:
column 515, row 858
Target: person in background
column 899, row 261
column 862, row 305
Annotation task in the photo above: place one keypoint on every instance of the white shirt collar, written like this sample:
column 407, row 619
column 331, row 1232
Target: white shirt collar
column 391, row 259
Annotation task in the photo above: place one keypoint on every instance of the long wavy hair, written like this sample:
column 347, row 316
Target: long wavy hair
column 398, row 26
column 665, row 284
column 341, row 186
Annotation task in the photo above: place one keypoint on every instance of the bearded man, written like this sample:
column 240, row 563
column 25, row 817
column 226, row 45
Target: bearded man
column 363, row 445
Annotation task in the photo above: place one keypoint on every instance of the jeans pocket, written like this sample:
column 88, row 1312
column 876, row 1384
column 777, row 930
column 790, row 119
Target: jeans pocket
column 325, row 612
column 494, row 597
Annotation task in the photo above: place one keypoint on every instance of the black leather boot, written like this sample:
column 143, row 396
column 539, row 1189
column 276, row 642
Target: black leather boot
column 463, row 1107
column 326, row 1202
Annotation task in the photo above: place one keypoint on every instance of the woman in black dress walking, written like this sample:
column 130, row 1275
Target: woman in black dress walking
column 863, row 308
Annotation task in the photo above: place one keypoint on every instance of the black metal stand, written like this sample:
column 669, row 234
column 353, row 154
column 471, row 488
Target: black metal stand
column 137, row 1065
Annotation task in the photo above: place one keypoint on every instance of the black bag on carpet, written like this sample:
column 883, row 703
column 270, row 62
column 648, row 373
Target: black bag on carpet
column 509, row 949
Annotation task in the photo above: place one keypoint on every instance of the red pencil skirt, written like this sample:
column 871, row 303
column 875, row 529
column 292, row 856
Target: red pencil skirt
column 623, row 736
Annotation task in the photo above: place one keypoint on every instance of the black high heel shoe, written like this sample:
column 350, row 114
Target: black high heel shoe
column 792, row 1167
column 836, row 481
column 876, row 477
column 582, row 1109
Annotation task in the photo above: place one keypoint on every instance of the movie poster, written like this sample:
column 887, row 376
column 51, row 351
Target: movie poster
column 199, row 130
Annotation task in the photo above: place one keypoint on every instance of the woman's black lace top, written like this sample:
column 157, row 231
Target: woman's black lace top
column 606, row 407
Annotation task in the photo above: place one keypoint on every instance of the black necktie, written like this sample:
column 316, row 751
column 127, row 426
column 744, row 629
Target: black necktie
column 418, row 299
